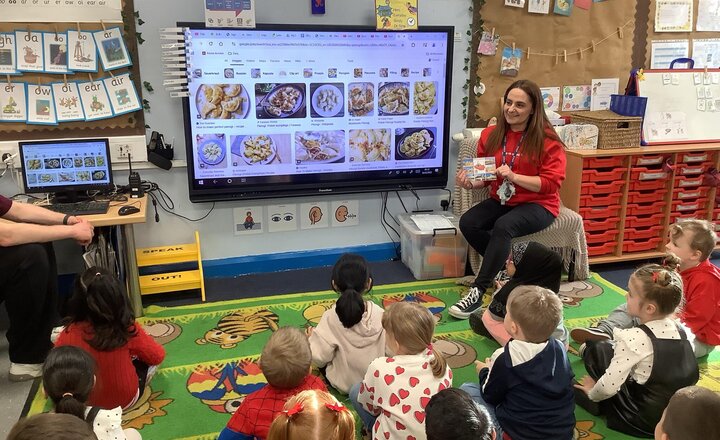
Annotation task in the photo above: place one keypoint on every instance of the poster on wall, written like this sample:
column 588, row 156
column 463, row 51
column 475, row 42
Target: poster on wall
column 230, row 13
column 122, row 93
column 67, row 11
column 29, row 51
column 95, row 100
column 7, row 54
column 576, row 98
column 248, row 220
column 663, row 52
column 673, row 15
column 13, row 102
column 40, row 107
column 706, row 53
column 68, row 106
column 83, row 55
column 708, row 16
column 551, row 98
column 314, row 215
column 539, row 7
column 112, row 49
column 396, row 15
column 55, row 52
column 601, row 91
column 282, row 218
column 345, row 213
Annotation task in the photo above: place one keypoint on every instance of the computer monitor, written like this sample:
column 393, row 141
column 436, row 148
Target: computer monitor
column 66, row 168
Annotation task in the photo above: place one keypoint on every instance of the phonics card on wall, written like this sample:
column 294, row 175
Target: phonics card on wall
column 41, row 108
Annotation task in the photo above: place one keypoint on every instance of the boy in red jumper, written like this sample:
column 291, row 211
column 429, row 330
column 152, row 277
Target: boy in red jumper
column 285, row 363
column 692, row 241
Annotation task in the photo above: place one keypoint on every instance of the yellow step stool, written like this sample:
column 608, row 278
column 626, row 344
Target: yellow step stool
column 175, row 279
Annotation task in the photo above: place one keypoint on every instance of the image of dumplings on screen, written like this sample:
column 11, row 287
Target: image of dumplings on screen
column 260, row 149
column 425, row 98
column 319, row 147
column 222, row 101
column 280, row 101
column 415, row 143
column 361, row 99
column 393, row 99
column 370, row 145
column 327, row 100
column 211, row 151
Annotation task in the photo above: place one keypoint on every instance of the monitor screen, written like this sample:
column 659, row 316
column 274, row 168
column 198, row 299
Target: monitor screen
column 66, row 166
column 287, row 110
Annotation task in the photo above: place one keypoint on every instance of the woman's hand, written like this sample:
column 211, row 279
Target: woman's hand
column 586, row 384
column 504, row 172
column 463, row 182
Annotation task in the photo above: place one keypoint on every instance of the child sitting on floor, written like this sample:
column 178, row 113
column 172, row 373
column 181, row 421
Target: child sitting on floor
column 102, row 323
column 392, row 397
column 51, row 426
column 634, row 376
column 452, row 414
column 530, row 264
column 692, row 241
column 285, row 363
column 68, row 377
column 526, row 386
column 350, row 335
column 313, row 415
column 691, row 415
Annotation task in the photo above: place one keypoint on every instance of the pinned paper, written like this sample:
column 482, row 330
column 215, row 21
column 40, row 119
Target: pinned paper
column 539, row 6
column 510, row 64
column 68, row 106
column 345, row 213
column 248, row 220
column 122, row 93
column 282, row 218
column 95, row 100
column 576, row 98
column 13, row 102
column 28, row 51
column 563, row 7
column 601, row 91
column 551, row 98
column 112, row 49
column 396, row 15
column 314, row 215
column 55, row 47
column 83, row 52
column 673, row 15
column 318, row 7
column 488, row 43
column 7, row 54
column 515, row 3
column 41, row 108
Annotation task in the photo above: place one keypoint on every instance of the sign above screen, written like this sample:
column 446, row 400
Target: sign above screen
column 299, row 110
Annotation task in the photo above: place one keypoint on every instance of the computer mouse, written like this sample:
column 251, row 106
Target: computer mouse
column 127, row 210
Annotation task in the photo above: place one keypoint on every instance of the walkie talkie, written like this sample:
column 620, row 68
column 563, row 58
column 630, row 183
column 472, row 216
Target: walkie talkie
column 134, row 181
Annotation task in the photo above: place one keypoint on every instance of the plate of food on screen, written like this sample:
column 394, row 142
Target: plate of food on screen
column 327, row 100
column 315, row 147
column 280, row 100
column 370, row 145
column 211, row 150
column 222, row 101
column 415, row 143
column 255, row 150
column 394, row 99
column 361, row 99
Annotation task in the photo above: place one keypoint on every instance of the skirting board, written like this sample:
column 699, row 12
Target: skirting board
column 228, row 267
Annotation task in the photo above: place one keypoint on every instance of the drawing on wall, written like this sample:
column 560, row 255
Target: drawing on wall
column 248, row 220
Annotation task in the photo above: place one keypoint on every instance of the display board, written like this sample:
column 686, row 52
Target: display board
column 683, row 105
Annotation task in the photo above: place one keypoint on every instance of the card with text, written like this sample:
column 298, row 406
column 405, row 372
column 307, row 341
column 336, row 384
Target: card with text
column 40, row 106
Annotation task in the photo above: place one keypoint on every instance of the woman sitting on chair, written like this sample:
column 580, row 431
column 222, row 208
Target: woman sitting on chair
column 524, row 198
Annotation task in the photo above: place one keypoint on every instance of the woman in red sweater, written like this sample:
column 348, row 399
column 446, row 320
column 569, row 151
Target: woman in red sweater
column 525, row 197
column 101, row 322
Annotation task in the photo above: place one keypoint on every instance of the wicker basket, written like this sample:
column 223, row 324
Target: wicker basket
column 614, row 130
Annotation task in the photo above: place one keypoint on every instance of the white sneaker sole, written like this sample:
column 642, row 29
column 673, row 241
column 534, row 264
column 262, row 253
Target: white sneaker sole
column 459, row 314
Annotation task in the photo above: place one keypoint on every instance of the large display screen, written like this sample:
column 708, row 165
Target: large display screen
column 298, row 110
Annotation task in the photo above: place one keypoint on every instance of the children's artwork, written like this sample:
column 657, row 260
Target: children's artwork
column 601, row 91
column 576, row 98
column 673, row 15
column 345, row 213
column 122, row 93
column 29, row 51
column 551, row 98
column 7, row 54
column 83, row 52
column 706, row 52
column 488, row 43
column 68, row 106
column 563, row 7
column 112, row 49
column 40, row 106
column 510, row 64
column 708, row 16
column 95, row 100
column 232, row 13
column 666, row 126
column 248, row 220
column 13, row 102
column 515, row 3
column 55, row 52
column 282, row 218
column 314, row 215
column 396, row 15
column 539, row 6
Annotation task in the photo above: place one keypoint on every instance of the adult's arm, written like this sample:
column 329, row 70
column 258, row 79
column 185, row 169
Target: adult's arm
column 34, row 224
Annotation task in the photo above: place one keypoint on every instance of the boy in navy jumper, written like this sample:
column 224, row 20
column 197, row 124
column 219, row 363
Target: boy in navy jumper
column 527, row 385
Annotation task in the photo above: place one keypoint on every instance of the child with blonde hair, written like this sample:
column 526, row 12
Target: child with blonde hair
column 392, row 397
column 313, row 415
column 634, row 375
column 285, row 363
column 350, row 335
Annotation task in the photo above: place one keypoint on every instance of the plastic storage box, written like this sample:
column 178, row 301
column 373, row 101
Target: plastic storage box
column 429, row 254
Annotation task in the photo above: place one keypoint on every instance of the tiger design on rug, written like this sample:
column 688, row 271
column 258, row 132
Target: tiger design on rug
column 238, row 326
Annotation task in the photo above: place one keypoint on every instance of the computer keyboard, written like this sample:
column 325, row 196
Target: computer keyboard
column 80, row 208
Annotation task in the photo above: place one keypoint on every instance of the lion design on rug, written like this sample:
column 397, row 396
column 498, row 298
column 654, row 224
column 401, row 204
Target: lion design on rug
column 238, row 326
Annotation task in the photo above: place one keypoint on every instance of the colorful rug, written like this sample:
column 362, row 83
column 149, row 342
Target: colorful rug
column 212, row 352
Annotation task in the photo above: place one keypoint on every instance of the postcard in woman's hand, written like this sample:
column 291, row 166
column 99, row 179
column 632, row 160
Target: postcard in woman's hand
column 480, row 168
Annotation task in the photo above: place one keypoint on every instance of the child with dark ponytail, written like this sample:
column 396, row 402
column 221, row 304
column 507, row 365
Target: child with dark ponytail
column 68, row 379
column 350, row 334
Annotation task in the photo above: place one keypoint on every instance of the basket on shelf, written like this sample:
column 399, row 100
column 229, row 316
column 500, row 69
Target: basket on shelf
column 614, row 130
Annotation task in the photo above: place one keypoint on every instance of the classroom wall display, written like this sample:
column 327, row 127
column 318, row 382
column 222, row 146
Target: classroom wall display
column 248, row 220
column 40, row 105
column 28, row 51
column 55, row 55
column 83, row 51
column 7, row 54
column 123, row 95
column 13, row 102
column 344, row 213
column 70, row 11
column 314, row 215
column 282, row 218
column 112, row 49
column 95, row 100
column 68, row 105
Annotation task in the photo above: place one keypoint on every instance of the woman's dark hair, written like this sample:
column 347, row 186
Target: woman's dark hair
column 538, row 125
column 350, row 278
column 68, row 378
column 100, row 299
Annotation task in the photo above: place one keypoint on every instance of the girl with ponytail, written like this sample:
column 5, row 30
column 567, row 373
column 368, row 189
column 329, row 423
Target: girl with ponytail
column 350, row 334
column 313, row 415
column 68, row 379
column 392, row 397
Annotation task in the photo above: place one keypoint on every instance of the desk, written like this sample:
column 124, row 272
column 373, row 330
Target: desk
column 111, row 218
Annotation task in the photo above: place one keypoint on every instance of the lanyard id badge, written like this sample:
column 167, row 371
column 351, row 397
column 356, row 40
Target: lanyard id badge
column 507, row 189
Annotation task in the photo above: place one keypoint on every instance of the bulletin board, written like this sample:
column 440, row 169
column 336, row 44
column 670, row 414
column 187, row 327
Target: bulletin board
column 121, row 125
column 555, row 42
column 680, row 110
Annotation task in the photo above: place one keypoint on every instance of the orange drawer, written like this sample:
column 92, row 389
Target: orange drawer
column 595, row 250
column 604, row 162
column 692, row 169
column 642, row 245
column 598, row 200
column 600, row 225
column 680, row 206
column 601, row 237
column 603, row 175
column 690, row 193
column 695, row 157
column 643, row 173
column 648, row 160
column 644, row 208
column 687, row 182
column 643, row 233
column 601, row 188
column 632, row 221
column 656, row 196
column 597, row 213
column 647, row 185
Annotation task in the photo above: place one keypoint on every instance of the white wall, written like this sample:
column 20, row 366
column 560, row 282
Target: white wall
column 166, row 116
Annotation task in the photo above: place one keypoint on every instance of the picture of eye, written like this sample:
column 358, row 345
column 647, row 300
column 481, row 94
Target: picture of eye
column 288, row 217
column 276, row 217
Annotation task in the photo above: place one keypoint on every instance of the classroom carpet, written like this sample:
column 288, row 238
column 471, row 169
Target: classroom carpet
column 213, row 349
